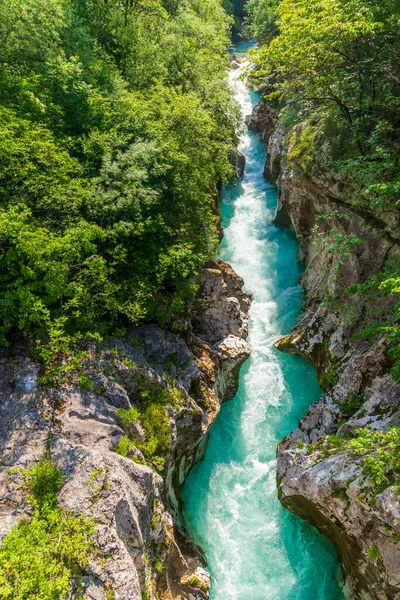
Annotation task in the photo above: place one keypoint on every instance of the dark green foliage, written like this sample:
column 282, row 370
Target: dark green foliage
column 115, row 126
column 262, row 19
column 39, row 557
column 377, row 290
column 238, row 8
column 351, row 405
column 336, row 64
column 329, row 378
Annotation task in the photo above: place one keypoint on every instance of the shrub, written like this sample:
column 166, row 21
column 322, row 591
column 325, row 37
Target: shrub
column 373, row 553
column 150, row 411
column 381, row 455
column 39, row 556
column 379, row 451
column 379, row 289
column 127, row 417
column 154, row 420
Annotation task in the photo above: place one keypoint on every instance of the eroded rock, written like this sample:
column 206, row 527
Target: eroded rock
column 263, row 120
column 238, row 160
column 329, row 487
column 137, row 511
column 274, row 154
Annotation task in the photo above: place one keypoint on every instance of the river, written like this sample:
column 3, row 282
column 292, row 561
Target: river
column 255, row 549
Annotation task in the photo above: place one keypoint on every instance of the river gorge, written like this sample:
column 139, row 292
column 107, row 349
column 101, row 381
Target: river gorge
column 255, row 549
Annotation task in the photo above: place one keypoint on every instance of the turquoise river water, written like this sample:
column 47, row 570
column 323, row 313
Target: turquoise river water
column 255, row 549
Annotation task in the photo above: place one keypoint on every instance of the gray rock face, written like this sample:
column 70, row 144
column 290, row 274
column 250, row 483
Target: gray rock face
column 136, row 510
column 224, row 304
column 275, row 148
column 238, row 160
column 327, row 486
column 263, row 120
column 232, row 352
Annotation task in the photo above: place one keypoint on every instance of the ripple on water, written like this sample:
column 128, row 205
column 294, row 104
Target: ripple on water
column 255, row 549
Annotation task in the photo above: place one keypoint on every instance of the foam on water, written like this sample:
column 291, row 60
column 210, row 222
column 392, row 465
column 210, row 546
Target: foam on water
column 255, row 549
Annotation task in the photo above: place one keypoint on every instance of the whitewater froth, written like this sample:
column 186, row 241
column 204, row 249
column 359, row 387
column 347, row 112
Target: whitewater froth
column 255, row 549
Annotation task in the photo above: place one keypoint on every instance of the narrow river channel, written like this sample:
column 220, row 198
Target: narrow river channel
column 255, row 549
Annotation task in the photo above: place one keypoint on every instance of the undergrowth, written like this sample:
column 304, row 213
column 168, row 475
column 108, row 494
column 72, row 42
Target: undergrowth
column 40, row 556
column 351, row 404
column 151, row 412
column 379, row 451
column 377, row 288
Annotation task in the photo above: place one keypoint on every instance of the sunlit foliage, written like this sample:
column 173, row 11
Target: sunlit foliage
column 116, row 125
column 332, row 68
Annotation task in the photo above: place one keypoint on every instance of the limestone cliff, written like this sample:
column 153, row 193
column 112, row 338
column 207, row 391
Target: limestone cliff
column 80, row 419
column 321, row 482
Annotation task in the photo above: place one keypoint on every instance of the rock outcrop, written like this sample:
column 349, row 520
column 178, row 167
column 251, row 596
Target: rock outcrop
column 274, row 154
column 140, row 544
column 238, row 161
column 220, row 326
column 323, row 483
column 263, row 120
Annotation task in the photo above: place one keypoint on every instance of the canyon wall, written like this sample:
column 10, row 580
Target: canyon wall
column 319, row 477
column 141, row 547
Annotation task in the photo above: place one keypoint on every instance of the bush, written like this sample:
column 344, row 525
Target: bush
column 380, row 453
column 351, row 405
column 151, row 413
column 39, row 557
column 379, row 289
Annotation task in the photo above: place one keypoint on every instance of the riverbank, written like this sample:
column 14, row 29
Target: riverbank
column 125, row 421
column 319, row 477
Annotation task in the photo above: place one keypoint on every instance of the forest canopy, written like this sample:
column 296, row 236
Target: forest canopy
column 115, row 126
column 335, row 66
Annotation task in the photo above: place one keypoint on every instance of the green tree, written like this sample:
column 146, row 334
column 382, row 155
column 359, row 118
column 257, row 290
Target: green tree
column 115, row 128
column 262, row 19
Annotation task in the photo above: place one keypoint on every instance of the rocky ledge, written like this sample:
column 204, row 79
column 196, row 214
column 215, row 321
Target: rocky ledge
column 322, row 477
column 109, row 472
